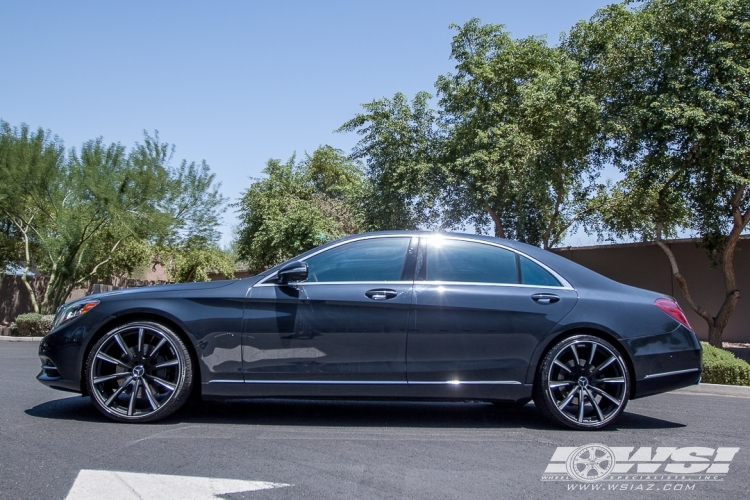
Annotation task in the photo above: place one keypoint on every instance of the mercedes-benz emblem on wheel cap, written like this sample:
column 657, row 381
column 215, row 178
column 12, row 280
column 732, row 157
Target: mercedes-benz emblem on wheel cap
column 591, row 462
column 138, row 371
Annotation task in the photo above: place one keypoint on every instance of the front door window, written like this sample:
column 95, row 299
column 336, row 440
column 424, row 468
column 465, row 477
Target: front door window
column 370, row 260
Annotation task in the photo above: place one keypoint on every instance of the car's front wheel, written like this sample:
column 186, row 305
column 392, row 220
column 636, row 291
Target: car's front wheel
column 139, row 372
column 582, row 383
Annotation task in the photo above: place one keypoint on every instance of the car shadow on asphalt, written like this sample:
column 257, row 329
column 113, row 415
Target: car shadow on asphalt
column 332, row 413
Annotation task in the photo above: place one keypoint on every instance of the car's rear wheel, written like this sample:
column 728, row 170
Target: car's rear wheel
column 139, row 372
column 583, row 383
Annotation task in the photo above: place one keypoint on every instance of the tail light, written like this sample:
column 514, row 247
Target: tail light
column 670, row 307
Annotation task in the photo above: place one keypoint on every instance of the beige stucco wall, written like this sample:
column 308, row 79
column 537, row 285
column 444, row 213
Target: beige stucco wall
column 645, row 265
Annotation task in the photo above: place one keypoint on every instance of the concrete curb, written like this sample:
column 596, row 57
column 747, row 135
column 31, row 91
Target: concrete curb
column 8, row 338
column 727, row 391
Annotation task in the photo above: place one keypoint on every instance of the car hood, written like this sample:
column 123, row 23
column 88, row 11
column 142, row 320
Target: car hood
column 204, row 285
column 179, row 287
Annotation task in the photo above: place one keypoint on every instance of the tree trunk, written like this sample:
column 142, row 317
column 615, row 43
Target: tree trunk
column 547, row 236
column 717, row 323
column 30, row 288
column 740, row 221
column 714, row 336
column 499, row 230
column 27, row 267
column 682, row 283
column 56, row 293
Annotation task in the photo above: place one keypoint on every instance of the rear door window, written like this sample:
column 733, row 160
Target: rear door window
column 469, row 262
column 534, row 274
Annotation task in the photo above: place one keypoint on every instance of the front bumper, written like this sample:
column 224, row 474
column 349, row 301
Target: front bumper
column 50, row 376
column 62, row 352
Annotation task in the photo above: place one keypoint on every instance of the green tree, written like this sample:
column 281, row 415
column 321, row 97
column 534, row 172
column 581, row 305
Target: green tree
column 188, row 249
column 298, row 206
column 11, row 242
column 30, row 186
column 77, row 213
column 673, row 82
column 398, row 145
column 518, row 136
column 194, row 260
column 132, row 257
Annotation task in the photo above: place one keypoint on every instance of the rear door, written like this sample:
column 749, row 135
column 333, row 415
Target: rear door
column 479, row 313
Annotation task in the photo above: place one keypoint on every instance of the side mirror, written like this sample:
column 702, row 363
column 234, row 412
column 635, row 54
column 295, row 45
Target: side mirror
column 294, row 271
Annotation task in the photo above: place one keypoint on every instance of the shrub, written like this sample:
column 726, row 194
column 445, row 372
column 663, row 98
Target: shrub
column 34, row 325
column 723, row 367
column 13, row 330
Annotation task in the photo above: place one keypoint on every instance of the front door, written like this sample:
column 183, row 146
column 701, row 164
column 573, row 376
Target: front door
column 346, row 324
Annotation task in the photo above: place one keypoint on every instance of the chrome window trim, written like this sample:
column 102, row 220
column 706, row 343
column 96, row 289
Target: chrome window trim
column 369, row 382
column 374, row 283
column 565, row 285
column 477, row 283
column 370, row 237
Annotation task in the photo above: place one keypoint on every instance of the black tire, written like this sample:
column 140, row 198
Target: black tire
column 577, row 369
column 139, row 372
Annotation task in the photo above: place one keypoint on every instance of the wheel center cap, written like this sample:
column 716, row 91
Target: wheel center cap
column 583, row 381
column 138, row 371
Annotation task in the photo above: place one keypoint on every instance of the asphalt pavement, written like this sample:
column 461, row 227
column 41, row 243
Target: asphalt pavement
column 53, row 444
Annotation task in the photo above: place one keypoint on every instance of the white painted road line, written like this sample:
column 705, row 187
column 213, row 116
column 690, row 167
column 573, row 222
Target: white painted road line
column 112, row 485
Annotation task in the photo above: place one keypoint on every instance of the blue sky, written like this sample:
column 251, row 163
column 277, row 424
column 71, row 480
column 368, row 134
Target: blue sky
column 235, row 83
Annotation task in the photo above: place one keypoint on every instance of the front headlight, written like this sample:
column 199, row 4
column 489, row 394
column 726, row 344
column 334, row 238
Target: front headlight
column 67, row 313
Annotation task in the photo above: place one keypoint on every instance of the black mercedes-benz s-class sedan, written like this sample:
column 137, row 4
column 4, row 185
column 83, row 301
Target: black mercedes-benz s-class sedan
column 391, row 315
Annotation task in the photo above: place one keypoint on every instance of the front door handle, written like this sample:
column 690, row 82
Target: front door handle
column 381, row 294
column 545, row 298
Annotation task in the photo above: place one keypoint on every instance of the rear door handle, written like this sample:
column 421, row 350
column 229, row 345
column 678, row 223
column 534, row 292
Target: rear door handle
column 381, row 294
column 545, row 298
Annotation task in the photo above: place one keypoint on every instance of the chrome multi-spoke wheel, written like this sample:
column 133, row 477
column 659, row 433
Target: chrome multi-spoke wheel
column 140, row 371
column 583, row 383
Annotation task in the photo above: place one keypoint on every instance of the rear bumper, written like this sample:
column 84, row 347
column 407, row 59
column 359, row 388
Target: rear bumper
column 666, row 362
column 668, row 381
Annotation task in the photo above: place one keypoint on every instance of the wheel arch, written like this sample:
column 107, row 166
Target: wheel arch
column 143, row 316
column 551, row 340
